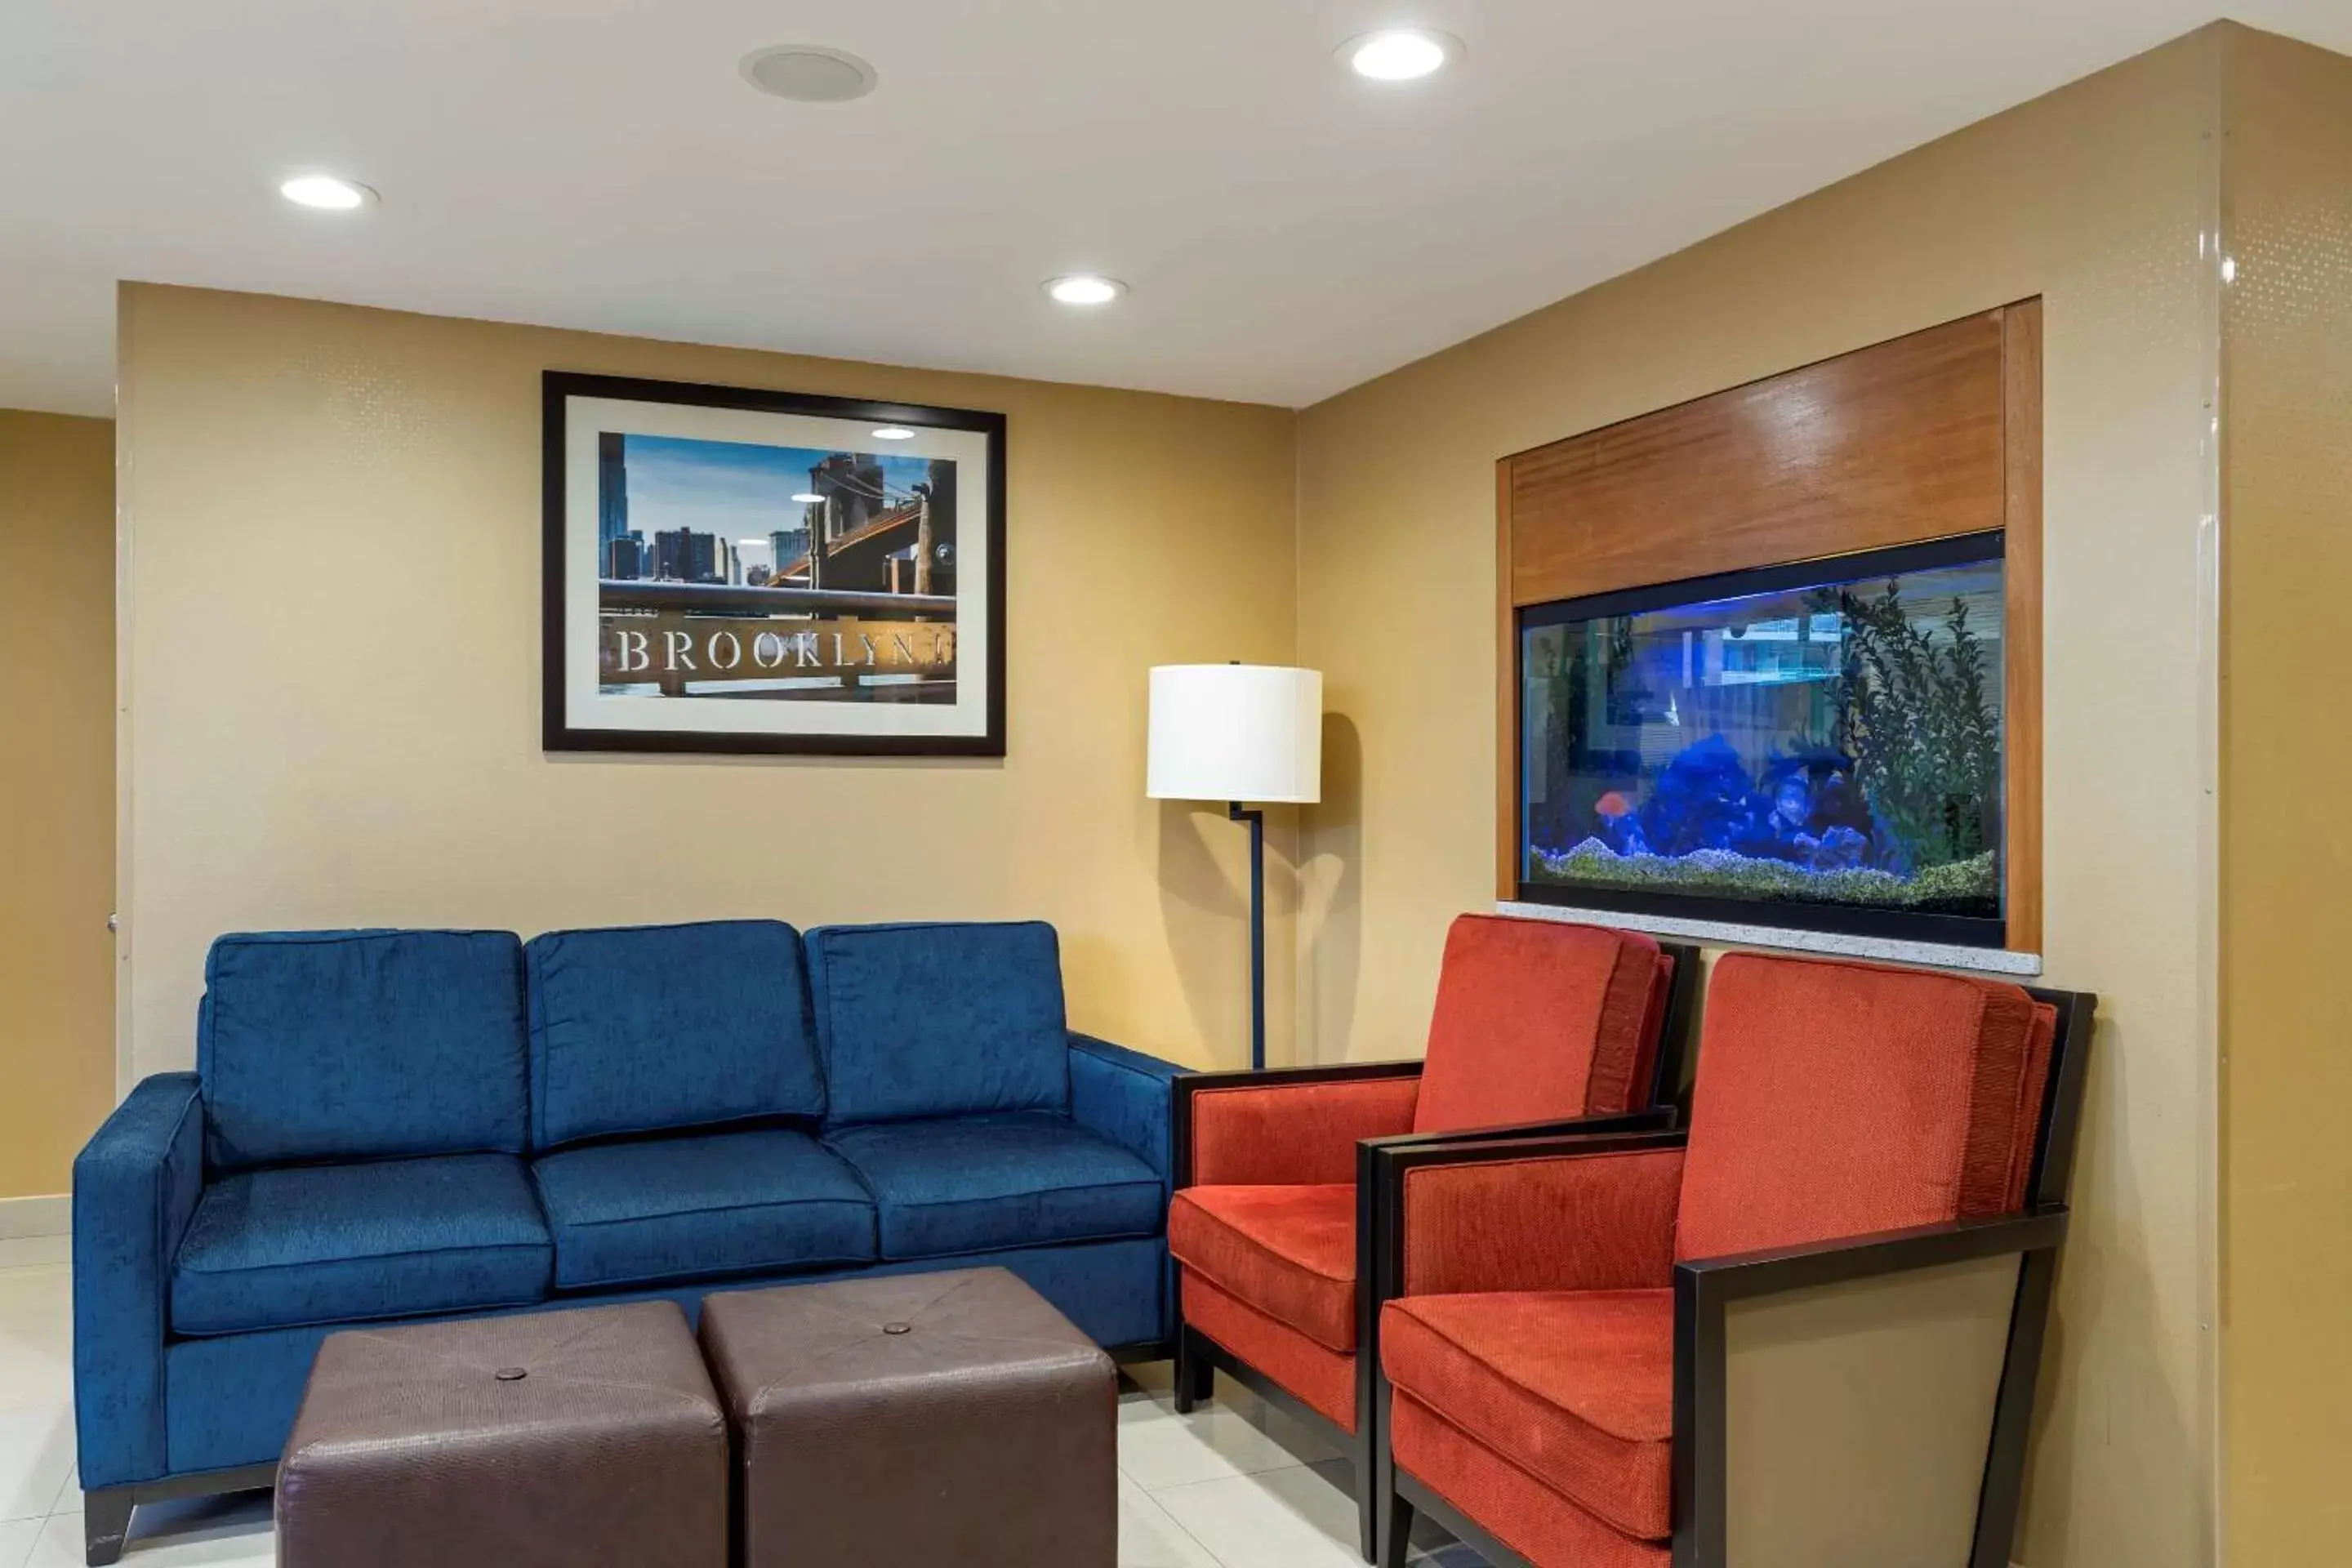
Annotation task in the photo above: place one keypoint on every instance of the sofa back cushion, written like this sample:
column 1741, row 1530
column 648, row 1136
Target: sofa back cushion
column 362, row 1044
column 1836, row 1099
column 940, row 1020
column 648, row 1027
column 1538, row 1020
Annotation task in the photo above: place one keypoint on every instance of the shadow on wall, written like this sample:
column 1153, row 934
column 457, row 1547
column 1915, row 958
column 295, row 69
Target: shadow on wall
column 1206, row 912
column 2097, row 1265
column 1331, row 923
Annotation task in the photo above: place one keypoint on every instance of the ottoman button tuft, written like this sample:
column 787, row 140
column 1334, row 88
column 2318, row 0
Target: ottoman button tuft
column 511, row 1375
column 897, row 1328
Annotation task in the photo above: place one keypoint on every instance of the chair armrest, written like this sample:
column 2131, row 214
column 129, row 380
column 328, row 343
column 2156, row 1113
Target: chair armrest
column 135, row 1184
column 1288, row 1126
column 1914, row 1354
column 1648, row 1119
column 1125, row 1095
column 1747, row 1274
column 1592, row 1209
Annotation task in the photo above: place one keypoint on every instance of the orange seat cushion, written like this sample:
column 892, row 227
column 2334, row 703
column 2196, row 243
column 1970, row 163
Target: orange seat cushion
column 1576, row 1388
column 1514, row 1507
column 1325, row 1379
column 1838, row 1098
column 1538, row 1020
column 1288, row 1252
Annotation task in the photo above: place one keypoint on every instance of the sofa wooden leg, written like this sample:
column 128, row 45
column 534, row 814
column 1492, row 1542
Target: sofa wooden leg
column 1396, row 1530
column 1364, row 1456
column 1196, row 1379
column 105, row 1523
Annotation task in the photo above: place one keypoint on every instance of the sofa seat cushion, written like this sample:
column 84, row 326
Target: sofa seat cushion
column 954, row 1019
column 1576, row 1388
column 721, row 1203
column 661, row 1028
column 363, row 1045
column 388, row 1238
column 976, row 1182
column 1289, row 1252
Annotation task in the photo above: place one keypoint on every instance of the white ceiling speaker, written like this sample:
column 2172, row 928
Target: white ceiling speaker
column 809, row 73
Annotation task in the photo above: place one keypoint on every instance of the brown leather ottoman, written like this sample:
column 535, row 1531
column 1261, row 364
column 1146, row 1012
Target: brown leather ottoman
column 926, row 1418
column 561, row 1439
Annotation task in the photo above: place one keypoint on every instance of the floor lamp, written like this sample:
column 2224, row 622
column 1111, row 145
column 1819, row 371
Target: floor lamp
column 1239, row 734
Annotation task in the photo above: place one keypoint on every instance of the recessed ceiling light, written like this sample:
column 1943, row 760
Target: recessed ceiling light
column 809, row 497
column 809, row 73
column 1085, row 288
column 326, row 192
column 894, row 433
column 1400, row 54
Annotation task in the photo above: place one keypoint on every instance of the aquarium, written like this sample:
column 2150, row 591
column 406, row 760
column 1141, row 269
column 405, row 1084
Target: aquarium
column 1814, row 745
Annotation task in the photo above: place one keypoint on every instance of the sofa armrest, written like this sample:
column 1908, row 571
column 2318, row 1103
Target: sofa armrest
column 1288, row 1126
column 1912, row 1356
column 1593, row 1210
column 135, row 1184
column 1125, row 1095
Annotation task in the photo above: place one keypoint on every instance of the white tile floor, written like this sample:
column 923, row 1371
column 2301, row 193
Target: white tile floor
column 1236, row 1485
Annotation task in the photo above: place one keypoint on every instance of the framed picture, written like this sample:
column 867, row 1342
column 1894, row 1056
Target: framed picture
column 730, row 570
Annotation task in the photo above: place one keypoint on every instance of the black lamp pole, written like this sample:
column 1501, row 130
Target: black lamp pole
column 1256, row 820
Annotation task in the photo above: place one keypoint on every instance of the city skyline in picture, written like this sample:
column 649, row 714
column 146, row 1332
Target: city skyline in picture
column 743, row 493
column 818, row 535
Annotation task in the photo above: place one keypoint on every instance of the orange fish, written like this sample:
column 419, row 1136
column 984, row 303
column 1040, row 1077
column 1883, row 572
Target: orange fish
column 1613, row 804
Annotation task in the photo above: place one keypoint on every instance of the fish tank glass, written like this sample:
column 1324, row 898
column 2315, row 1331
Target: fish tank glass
column 1815, row 745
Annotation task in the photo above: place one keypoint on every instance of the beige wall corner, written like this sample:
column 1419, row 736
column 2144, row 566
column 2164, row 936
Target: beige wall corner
column 2101, row 198
column 57, row 833
column 2286, row 858
column 333, row 564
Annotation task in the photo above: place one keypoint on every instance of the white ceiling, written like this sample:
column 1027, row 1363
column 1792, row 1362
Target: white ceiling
column 1287, row 229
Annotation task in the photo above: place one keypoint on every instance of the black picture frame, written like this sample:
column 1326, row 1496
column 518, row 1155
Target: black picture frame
column 559, row 733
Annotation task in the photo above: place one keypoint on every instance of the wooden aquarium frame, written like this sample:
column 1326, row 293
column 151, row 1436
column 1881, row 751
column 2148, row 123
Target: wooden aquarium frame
column 1921, row 438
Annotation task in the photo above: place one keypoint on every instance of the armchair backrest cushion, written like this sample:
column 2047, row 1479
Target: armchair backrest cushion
column 645, row 1028
column 1538, row 1020
column 362, row 1044
column 940, row 1020
column 1838, row 1098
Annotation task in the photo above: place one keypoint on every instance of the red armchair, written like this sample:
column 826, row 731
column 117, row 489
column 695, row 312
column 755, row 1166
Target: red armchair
column 1805, row 1330
column 1537, row 1022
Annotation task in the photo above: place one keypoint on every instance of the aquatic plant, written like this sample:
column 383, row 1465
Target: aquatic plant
column 1914, row 711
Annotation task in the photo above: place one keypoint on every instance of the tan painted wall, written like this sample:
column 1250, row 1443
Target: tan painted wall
column 331, row 543
column 57, row 831
column 2286, row 755
column 2096, row 198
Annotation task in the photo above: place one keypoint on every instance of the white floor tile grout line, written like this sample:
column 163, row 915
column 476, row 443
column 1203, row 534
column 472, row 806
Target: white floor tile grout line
column 1236, row 1476
column 1178, row 1525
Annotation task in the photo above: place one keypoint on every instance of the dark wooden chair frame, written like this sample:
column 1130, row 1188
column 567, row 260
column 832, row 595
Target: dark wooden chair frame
column 1704, row 1288
column 1199, row 1358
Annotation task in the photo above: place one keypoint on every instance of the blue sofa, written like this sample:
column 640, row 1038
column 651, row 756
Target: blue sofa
column 417, row 1124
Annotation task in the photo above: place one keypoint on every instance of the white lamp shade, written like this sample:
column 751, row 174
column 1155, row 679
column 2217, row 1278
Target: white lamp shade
column 1236, row 732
